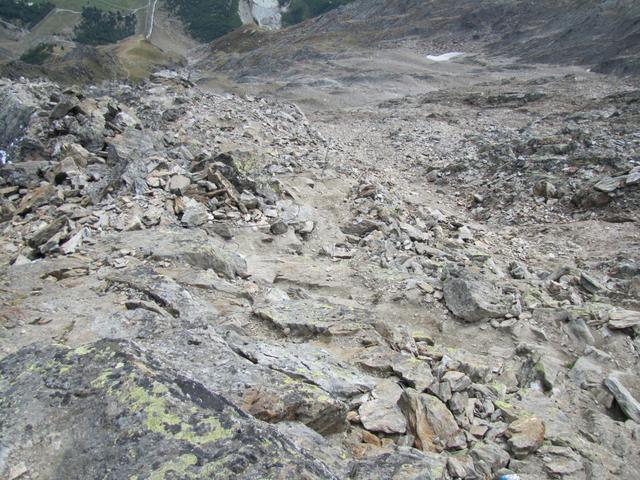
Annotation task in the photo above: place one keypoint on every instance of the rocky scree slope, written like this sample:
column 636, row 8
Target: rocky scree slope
column 199, row 285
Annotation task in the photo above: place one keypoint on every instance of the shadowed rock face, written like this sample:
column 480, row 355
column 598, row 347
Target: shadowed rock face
column 110, row 410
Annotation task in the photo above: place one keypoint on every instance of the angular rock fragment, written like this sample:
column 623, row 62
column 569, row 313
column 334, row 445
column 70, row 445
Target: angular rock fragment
column 629, row 405
column 381, row 413
column 621, row 319
column 431, row 422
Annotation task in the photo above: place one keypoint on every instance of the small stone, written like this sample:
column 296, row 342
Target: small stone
column 178, row 184
column 279, row 227
column 194, row 213
column 368, row 437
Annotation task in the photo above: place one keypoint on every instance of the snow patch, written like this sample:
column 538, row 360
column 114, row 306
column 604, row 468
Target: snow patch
column 445, row 57
column 266, row 13
column 3, row 157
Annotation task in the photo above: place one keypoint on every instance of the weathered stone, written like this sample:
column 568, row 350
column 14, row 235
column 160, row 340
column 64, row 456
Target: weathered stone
column 381, row 413
column 35, row 198
column 178, row 184
column 402, row 463
column 490, row 454
column 545, row 189
column 64, row 107
column 586, row 373
column 431, row 422
column 610, row 184
column 561, row 460
column 45, row 233
column 194, row 213
column 461, row 466
column 360, row 228
column 457, row 381
column 398, row 336
column 414, row 233
column 628, row 404
column 313, row 365
column 590, row 284
column 525, row 436
column 305, row 318
column 279, row 227
column 472, row 298
column 621, row 319
column 194, row 248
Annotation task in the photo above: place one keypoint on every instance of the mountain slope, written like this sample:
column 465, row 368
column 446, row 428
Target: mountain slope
column 603, row 35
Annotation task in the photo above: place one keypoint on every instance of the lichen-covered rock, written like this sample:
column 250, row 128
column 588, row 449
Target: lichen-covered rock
column 110, row 410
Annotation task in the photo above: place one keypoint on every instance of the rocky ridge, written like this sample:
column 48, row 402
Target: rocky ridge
column 219, row 288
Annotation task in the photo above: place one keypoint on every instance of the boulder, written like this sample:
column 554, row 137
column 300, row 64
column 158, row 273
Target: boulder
column 381, row 413
column 110, row 400
column 429, row 420
column 472, row 298
column 525, row 435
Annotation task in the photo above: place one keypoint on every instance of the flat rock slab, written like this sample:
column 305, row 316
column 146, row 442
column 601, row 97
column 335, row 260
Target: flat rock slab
column 402, row 463
column 109, row 410
column 193, row 247
column 383, row 361
column 621, row 319
column 308, row 318
column 307, row 363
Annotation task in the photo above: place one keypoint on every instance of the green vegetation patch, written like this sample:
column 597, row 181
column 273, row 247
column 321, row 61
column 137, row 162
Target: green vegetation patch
column 99, row 27
column 207, row 20
column 300, row 10
column 38, row 54
column 24, row 13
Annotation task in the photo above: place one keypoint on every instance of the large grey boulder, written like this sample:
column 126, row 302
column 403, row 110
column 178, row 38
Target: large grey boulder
column 473, row 298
